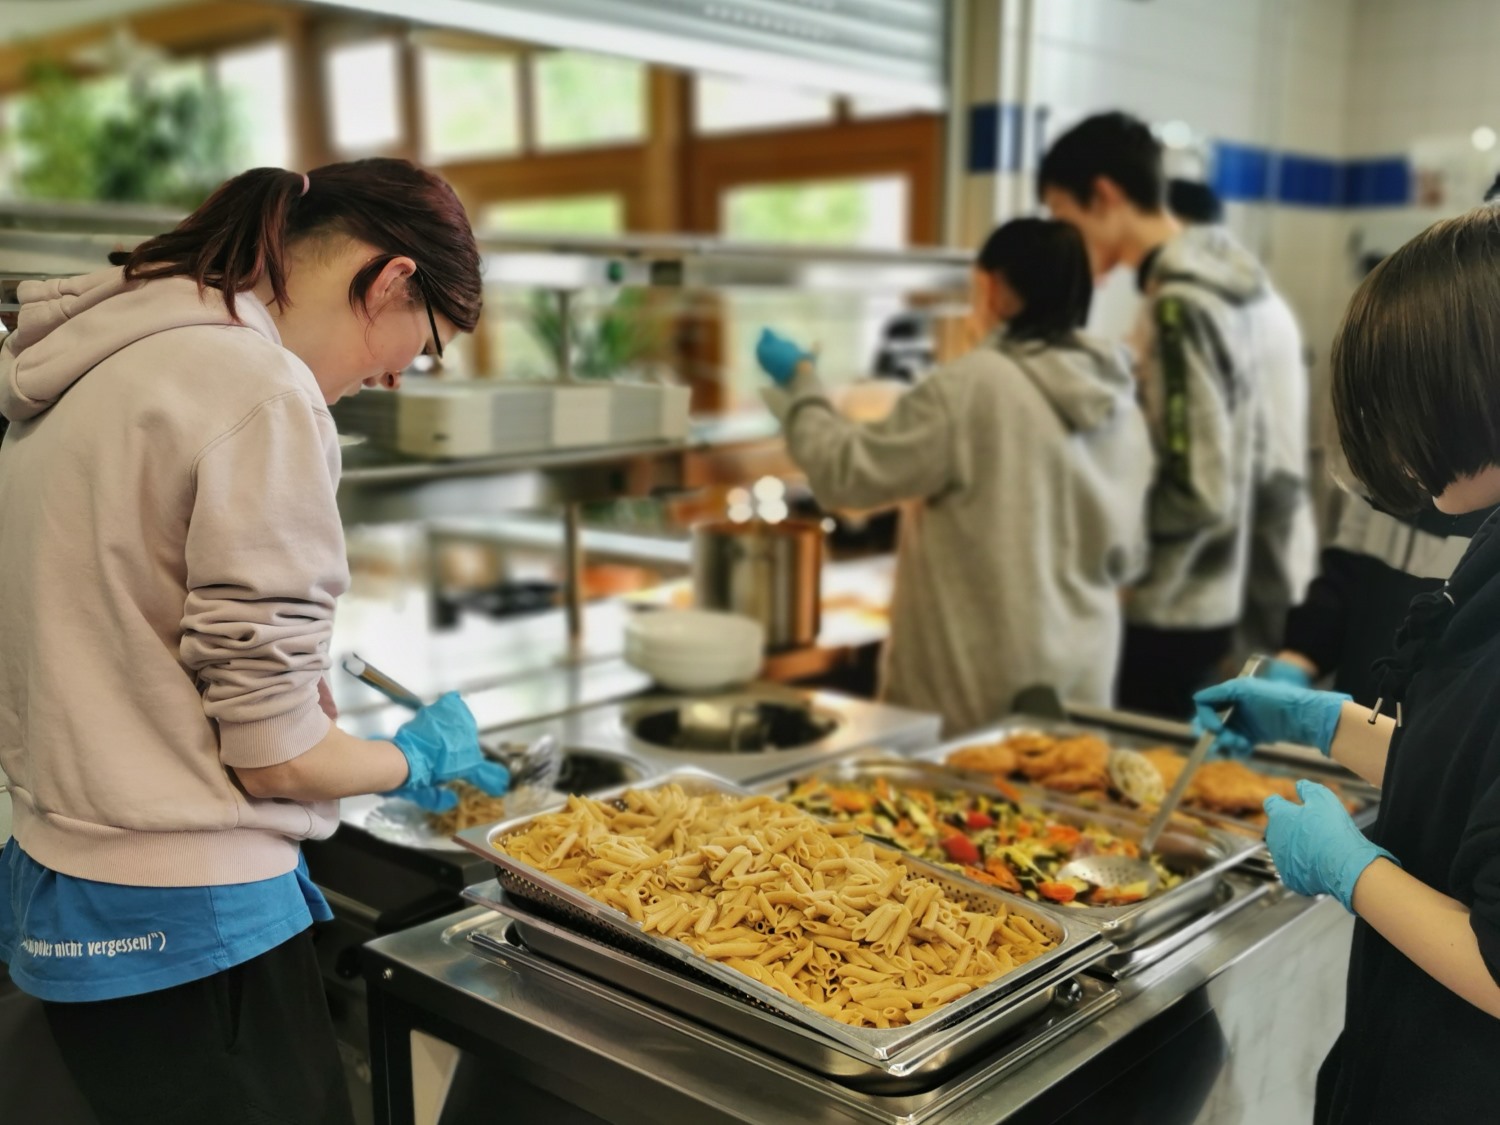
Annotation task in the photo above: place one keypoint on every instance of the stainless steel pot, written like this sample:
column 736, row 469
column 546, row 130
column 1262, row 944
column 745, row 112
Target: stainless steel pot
column 772, row 572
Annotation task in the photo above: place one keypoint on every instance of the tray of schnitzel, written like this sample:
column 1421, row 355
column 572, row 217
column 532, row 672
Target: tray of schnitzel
column 1071, row 759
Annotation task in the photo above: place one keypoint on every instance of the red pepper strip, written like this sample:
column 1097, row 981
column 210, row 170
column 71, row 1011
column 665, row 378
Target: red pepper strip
column 960, row 849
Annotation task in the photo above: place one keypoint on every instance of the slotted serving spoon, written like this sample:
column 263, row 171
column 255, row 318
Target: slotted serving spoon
column 1134, row 776
column 534, row 768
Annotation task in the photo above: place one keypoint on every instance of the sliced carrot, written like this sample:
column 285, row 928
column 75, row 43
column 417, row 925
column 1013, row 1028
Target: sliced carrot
column 850, row 800
column 1004, row 877
column 1057, row 892
column 983, row 877
column 1063, row 834
column 1010, row 791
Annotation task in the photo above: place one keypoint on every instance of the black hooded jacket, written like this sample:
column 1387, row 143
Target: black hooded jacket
column 1411, row 1049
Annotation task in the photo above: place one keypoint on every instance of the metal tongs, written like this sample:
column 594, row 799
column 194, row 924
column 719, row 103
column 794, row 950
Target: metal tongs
column 1134, row 775
column 534, row 768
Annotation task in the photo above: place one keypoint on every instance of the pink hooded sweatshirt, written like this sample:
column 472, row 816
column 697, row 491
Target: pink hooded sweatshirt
column 170, row 554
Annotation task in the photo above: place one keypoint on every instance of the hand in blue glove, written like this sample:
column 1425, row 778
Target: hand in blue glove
column 779, row 357
column 1267, row 711
column 1316, row 846
column 441, row 743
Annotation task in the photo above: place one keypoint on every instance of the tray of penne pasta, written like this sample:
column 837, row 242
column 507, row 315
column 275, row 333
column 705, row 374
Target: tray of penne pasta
column 1021, row 841
column 1008, row 1032
column 873, row 950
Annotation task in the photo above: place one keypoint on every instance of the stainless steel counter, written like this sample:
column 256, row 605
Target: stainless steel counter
column 1227, row 1028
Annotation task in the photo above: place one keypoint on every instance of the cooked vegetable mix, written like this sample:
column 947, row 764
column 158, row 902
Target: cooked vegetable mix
column 988, row 838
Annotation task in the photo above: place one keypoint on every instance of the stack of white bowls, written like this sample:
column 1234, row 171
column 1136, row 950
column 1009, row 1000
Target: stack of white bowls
column 695, row 650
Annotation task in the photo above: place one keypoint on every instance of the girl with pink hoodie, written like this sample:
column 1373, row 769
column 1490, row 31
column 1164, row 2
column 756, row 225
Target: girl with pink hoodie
column 170, row 557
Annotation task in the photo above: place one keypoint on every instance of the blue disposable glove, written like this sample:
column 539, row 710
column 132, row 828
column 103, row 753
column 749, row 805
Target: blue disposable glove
column 1285, row 672
column 441, row 743
column 779, row 357
column 1267, row 711
column 1316, row 846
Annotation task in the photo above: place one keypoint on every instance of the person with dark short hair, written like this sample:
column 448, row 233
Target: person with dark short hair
column 1416, row 394
column 1026, row 464
column 1221, row 355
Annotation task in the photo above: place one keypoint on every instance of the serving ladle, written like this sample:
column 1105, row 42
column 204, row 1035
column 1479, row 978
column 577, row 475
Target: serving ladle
column 1139, row 781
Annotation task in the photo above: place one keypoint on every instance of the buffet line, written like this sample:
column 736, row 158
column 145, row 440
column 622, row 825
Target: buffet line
column 877, row 931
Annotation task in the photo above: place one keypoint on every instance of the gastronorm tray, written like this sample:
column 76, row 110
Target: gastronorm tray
column 1204, row 855
column 1273, row 765
column 1076, row 947
column 917, row 1068
column 492, row 937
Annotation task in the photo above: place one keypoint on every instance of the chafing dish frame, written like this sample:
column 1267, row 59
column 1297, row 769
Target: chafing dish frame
column 905, row 1073
column 1077, row 946
column 1068, row 1014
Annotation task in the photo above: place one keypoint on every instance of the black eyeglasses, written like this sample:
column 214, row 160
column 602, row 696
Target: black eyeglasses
column 437, row 341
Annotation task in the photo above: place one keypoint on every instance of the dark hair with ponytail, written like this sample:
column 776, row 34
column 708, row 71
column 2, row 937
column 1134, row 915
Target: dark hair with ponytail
column 1045, row 262
column 243, row 233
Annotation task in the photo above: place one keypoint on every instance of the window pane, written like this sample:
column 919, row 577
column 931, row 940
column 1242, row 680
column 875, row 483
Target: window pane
column 468, row 104
column 517, row 349
column 588, row 99
column 10, row 118
column 362, row 96
column 255, row 81
column 579, row 214
column 866, row 212
column 724, row 105
column 846, row 327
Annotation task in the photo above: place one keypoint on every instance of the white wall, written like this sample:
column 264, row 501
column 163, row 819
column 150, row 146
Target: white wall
column 1203, row 61
column 1422, row 67
column 1269, row 73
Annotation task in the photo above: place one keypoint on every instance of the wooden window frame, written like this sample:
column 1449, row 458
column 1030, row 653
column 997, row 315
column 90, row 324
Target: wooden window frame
column 910, row 147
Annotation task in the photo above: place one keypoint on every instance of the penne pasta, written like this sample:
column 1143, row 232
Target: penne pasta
column 814, row 911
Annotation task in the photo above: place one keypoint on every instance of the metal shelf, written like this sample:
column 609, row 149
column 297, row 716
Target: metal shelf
column 41, row 239
column 376, row 467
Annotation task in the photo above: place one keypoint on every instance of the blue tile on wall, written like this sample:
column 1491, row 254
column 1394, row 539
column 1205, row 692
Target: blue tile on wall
column 1380, row 182
column 1242, row 173
column 998, row 136
column 984, row 137
column 1309, row 181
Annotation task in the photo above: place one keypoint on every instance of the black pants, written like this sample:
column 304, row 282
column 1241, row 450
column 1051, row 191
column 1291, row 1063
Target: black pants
column 1160, row 669
column 252, row 1045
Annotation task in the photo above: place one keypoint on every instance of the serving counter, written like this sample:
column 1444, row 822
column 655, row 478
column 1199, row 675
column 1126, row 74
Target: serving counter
column 1222, row 1016
column 1229, row 1026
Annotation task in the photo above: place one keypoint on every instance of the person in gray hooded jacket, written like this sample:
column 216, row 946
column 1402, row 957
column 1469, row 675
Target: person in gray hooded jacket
column 1220, row 363
column 1028, row 461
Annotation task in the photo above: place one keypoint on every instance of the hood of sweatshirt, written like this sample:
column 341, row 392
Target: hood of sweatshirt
column 68, row 326
column 1210, row 257
column 1087, row 382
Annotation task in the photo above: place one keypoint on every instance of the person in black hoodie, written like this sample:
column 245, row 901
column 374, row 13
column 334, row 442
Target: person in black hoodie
column 1416, row 382
column 1376, row 563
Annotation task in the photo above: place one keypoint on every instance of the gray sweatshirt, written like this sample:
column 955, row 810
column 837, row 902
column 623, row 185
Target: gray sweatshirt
column 1029, row 467
column 1220, row 372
